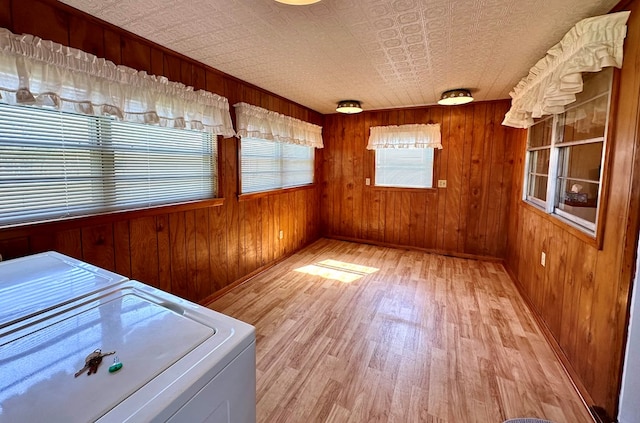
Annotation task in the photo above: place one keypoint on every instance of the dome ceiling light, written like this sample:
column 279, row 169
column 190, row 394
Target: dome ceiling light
column 349, row 107
column 455, row 97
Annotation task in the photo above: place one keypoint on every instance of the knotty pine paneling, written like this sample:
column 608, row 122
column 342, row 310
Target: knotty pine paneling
column 5, row 13
column 581, row 295
column 468, row 217
column 191, row 251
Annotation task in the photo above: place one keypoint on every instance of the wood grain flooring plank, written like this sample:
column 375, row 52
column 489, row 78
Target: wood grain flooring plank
column 358, row 333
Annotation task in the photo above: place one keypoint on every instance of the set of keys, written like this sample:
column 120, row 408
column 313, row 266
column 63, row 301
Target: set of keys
column 94, row 359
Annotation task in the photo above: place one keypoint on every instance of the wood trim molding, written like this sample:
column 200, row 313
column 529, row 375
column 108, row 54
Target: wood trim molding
column 256, row 195
column 432, row 190
column 412, row 248
column 564, row 225
column 98, row 219
column 211, row 298
column 553, row 343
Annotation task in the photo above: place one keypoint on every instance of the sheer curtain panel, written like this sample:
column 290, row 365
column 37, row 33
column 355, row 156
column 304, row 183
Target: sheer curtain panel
column 43, row 73
column 591, row 45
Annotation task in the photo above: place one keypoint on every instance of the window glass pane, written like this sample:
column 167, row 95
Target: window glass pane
column 578, row 198
column 404, row 167
column 579, row 180
column 297, row 165
column 538, row 187
column 54, row 165
column 539, row 161
column 594, row 84
column 267, row 165
column 538, row 173
column 585, row 121
column 151, row 166
column 540, row 132
column 581, row 161
column 587, row 117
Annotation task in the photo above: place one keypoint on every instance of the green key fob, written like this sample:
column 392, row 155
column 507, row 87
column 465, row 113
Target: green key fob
column 117, row 365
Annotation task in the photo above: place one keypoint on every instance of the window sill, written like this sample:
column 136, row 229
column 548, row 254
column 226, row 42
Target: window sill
column 566, row 225
column 262, row 194
column 101, row 218
column 431, row 190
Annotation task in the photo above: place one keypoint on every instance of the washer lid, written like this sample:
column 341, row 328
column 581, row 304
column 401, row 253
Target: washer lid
column 34, row 284
column 39, row 361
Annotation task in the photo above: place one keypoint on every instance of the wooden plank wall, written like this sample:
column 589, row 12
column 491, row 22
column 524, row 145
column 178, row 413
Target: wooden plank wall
column 581, row 296
column 468, row 217
column 190, row 251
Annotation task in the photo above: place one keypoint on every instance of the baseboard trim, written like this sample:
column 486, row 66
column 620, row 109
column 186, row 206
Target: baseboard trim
column 413, row 248
column 586, row 398
column 219, row 293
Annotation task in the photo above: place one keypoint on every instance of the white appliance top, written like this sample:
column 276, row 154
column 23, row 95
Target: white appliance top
column 167, row 346
column 33, row 284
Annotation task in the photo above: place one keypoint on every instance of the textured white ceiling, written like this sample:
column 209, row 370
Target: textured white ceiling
column 385, row 53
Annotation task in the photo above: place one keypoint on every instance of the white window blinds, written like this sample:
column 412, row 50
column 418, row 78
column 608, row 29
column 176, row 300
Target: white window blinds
column 55, row 164
column 404, row 167
column 267, row 165
column 276, row 151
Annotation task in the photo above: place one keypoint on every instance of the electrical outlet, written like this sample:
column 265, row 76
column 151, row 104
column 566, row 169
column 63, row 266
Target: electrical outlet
column 442, row 183
column 367, row 181
column 543, row 259
column 281, row 234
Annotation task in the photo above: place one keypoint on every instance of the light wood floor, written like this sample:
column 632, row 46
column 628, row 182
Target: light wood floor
column 357, row 333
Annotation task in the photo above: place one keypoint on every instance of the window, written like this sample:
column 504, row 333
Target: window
column 404, row 167
column 539, row 154
column 56, row 164
column 268, row 165
column 566, row 155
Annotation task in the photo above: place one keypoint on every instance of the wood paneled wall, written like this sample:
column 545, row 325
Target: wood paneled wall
column 192, row 250
column 581, row 296
column 468, row 217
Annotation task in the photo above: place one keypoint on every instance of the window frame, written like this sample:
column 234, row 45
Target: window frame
column 591, row 232
column 101, row 125
column 528, row 161
column 259, row 194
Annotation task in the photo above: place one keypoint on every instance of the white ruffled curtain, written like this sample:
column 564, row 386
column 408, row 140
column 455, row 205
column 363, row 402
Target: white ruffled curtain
column 592, row 44
column 256, row 122
column 43, row 73
column 405, row 136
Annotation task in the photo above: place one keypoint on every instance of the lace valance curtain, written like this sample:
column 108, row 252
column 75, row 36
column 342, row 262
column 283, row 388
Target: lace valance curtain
column 256, row 122
column 405, row 136
column 592, row 44
column 43, row 73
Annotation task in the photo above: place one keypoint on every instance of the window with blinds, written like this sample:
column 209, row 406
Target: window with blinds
column 55, row 165
column 404, row 167
column 267, row 165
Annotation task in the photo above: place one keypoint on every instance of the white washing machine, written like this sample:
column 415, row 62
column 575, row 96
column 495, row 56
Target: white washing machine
column 181, row 362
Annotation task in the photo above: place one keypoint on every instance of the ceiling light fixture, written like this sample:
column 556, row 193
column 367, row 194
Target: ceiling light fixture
column 298, row 2
column 455, row 97
column 349, row 107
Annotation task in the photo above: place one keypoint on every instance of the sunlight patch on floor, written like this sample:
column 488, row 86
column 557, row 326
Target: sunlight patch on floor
column 337, row 270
